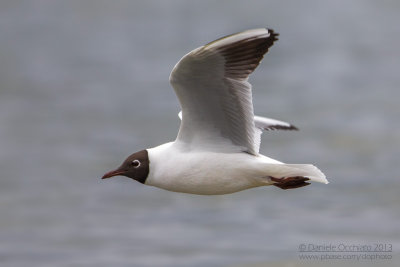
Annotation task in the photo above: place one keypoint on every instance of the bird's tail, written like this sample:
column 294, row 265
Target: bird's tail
column 297, row 170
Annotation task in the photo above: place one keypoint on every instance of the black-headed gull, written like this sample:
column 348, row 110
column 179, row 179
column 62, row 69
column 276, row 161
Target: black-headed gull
column 217, row 148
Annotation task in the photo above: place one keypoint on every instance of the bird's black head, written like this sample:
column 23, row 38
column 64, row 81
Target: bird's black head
column 136, row 166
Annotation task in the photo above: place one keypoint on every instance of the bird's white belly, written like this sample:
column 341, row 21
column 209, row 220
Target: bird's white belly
column 204, row 173
column 197, row 181
column 206, row 184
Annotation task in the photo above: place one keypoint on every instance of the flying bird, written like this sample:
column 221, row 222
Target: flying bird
column 217, row 148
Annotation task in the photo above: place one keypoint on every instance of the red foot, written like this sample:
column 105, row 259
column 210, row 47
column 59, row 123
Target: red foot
column 290, row 182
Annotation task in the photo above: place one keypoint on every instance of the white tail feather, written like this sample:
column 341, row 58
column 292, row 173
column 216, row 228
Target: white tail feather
column 292, row 170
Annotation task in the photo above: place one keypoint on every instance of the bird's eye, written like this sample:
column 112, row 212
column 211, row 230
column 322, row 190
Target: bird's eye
column 135, row 163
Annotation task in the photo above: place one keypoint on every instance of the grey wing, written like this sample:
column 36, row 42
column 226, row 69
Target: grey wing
column 266, row 124
column 216, row 99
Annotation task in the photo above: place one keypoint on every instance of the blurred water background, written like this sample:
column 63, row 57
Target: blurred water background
column 85, row 83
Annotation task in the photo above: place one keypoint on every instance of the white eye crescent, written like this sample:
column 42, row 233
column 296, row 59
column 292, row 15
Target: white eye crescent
column 136, row 163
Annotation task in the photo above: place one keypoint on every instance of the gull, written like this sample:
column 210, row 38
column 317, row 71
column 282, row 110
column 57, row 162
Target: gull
column 217, row 148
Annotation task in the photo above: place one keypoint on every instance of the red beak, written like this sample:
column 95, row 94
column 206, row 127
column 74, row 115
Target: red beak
column 112, row 174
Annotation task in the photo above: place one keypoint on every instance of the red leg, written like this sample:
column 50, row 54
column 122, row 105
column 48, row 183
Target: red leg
column 290, row 182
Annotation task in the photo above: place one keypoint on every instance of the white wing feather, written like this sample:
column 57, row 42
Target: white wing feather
column 216, row 99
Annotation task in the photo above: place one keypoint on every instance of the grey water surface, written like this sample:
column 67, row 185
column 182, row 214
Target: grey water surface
column 85, row 83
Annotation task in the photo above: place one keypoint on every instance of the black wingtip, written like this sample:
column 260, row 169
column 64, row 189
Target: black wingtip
column 273, row 34
column 281, row 127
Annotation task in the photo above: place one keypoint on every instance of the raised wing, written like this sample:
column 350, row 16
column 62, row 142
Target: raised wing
column 212, row 88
